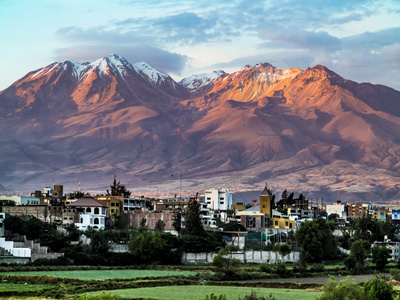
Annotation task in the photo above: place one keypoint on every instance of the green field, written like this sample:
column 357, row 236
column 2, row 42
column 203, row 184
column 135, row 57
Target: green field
column 103, row 274
column 13, row 287
column 196, row 292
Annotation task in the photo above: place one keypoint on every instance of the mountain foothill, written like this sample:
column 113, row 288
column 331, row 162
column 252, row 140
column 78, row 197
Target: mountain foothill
column 310, row 131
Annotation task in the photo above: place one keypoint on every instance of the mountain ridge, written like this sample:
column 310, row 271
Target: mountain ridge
column 259, row 123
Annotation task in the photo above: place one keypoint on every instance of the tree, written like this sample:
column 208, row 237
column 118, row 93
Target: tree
column 380, row 256
column 147, row 246
column 117, row 189
column 360, row 250
column 282, row 249
column 378, row 288
column 317, row 240
column 193, row 224
column 160, row 225
column 99, row 243
column 333, row 217
column 343, row 290
column 224, row 262
column 177, row 222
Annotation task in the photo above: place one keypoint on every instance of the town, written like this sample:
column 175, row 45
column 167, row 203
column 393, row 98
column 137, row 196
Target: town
column 255, row 228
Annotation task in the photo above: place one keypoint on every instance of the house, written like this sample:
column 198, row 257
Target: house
column 394, row 248
column 91, row 213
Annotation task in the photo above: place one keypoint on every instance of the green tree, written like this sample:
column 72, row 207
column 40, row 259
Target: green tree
column 99, row 243
column 117, row 189
column 350, row 262
column 193, row 224
column 160, row 225
column 343, row 290
column 177, row 222
column 224, row 262
column 378, row 288
column 282, row 249
column 360, row 250
column 333, row 217
column 317, row 241
column 380, row 256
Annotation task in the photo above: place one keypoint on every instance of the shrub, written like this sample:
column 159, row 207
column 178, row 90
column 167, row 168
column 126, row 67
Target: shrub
column 378, row 288
column 253, row 296
column 317, row 268
column 266, row 268
column 212, row 296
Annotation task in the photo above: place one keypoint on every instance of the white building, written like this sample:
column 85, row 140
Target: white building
column 92, row 213
column 336, row 208
column 218, row 199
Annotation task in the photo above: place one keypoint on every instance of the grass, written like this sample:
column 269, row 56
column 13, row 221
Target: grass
column 102, row 274
column 14, row 287
column 195, row 292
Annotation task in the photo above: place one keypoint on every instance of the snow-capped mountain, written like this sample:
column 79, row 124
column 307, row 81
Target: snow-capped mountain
column 309, row 131
column 199, row 83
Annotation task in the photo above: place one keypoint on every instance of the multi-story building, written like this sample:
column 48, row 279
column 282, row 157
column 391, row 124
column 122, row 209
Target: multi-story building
column 113, row 203
column 218, row 199
column 379, row 214
column 357, row 210
column 336, row 208
column 91, row 213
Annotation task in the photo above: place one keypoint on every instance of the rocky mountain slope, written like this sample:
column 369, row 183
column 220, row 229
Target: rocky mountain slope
column 309, row 131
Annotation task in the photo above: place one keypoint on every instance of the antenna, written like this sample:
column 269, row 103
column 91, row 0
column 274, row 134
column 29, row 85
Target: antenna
column 85, row 187
column 180, row 187
column 79, row 190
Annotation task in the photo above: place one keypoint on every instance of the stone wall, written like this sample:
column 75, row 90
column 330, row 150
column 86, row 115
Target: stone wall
column 249, row 256
column 134, row 219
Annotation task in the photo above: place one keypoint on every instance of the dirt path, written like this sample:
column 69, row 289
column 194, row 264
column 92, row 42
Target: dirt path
column 319, row 280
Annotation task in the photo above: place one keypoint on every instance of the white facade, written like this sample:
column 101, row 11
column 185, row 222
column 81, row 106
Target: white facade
column 15, row 198
column 94, row 217
column 218, row 199
column 338, row 209
column 393, row 247
column 2, row 217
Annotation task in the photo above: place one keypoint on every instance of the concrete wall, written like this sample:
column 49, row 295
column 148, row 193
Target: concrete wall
column 249, row 256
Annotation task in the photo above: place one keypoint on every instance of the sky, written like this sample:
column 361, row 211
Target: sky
column 359, row 40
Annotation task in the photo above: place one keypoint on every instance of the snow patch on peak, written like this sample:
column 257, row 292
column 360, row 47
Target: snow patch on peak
column 198, row 81
column 150, row 73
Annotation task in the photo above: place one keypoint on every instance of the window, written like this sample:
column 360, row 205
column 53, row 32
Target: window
column 117, row 204
column 81, row 221
column 276, row 223
column 112, row 211
column 221, row 198
column 1, row 216
column 222, row 202
column 112, row 204
column 96, row 220
column 88, row 209
column 286, row 224
column 96, row 211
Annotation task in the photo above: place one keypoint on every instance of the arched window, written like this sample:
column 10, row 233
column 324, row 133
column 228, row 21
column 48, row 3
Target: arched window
column 96, row 211
column 96, row 220
column 88, row 209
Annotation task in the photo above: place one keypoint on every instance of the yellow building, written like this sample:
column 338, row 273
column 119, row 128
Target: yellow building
column 238, row 206
column 113, row 204
column 266, row 208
